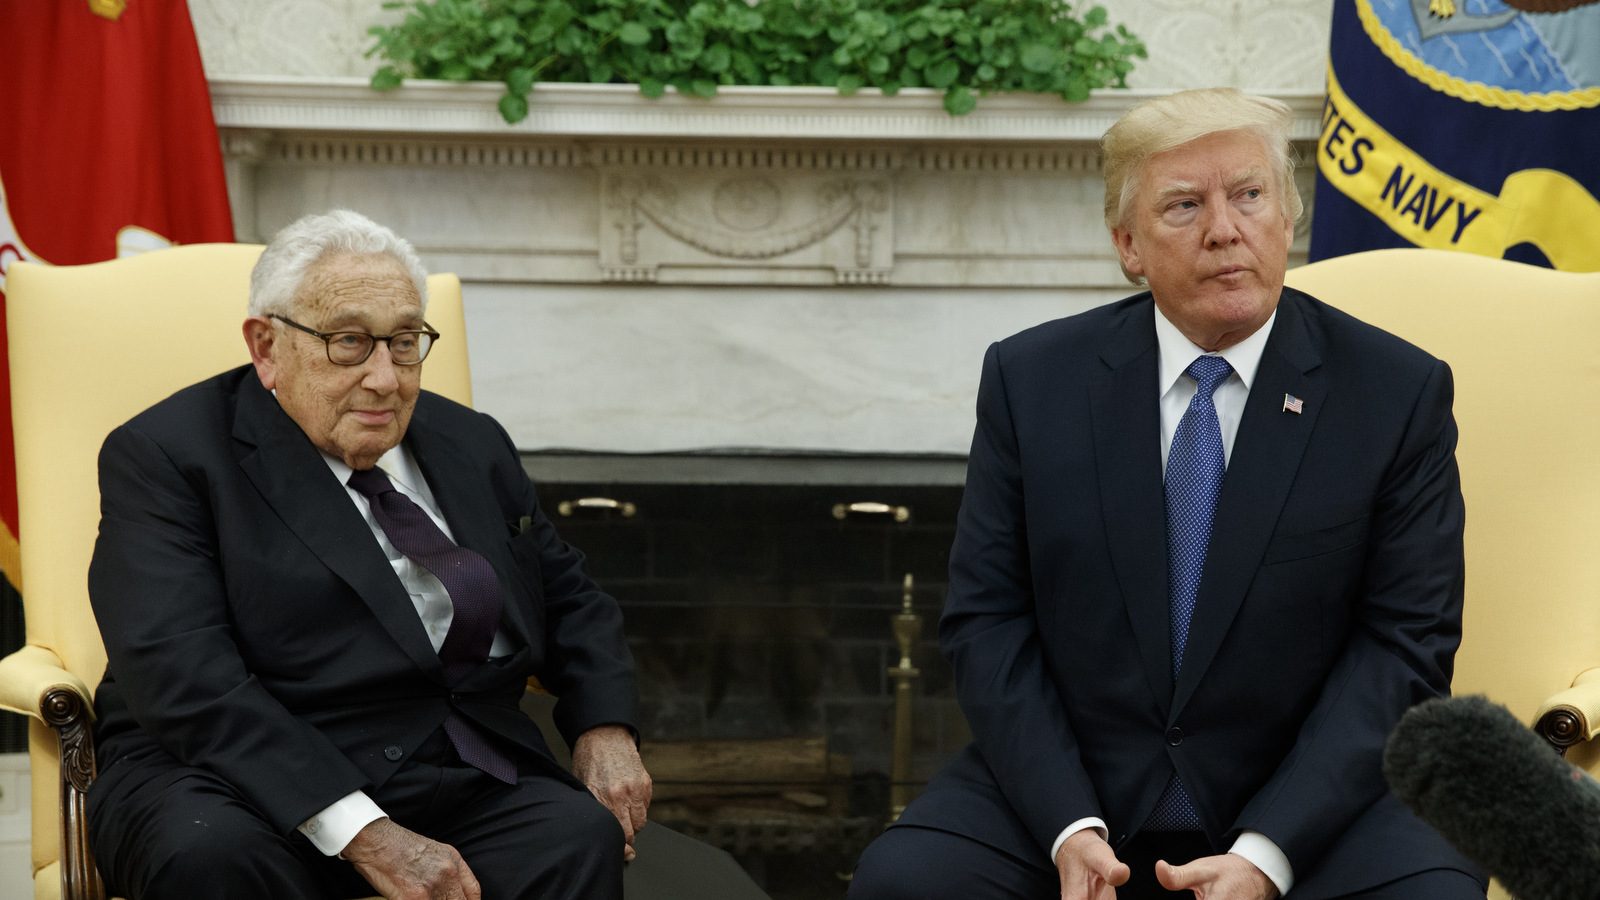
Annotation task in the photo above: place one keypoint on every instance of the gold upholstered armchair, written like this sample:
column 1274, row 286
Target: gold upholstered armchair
column 90, row 347
column 1520, row 340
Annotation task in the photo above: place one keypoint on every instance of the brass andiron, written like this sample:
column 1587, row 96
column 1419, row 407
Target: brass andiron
column 907, row 629
column 898, row 514
column 567, row 508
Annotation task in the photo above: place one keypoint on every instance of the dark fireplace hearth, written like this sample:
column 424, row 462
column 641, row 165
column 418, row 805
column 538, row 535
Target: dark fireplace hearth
column 759, row 609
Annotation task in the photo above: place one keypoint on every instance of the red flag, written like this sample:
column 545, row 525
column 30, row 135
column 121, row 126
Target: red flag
column 107, row 148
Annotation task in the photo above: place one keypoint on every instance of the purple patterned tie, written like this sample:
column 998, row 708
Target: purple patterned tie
column 1194, row 479
column 474, row 591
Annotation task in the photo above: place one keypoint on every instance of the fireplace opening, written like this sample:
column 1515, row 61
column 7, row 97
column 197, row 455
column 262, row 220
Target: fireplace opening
column 768, row 602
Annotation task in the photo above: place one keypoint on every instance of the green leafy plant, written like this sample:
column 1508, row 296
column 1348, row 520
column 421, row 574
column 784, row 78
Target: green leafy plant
column 965, row 48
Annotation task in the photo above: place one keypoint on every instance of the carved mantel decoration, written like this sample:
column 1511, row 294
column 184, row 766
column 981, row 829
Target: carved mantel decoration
column 717, row 223
column 777, row 186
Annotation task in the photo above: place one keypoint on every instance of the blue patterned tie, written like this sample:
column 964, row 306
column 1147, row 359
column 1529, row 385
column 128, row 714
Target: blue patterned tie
column 1194, row 478
column 474, row 591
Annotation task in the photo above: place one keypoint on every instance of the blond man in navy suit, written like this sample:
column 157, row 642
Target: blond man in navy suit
column 1237, row 756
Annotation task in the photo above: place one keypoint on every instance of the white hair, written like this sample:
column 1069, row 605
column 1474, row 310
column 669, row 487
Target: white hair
column 276, row 278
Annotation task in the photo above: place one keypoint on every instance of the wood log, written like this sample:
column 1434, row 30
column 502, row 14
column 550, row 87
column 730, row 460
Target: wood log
column 747, row 768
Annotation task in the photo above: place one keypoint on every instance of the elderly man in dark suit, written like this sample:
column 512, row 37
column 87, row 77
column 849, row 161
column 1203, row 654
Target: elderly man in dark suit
column 323, row 591
column 1209, row 551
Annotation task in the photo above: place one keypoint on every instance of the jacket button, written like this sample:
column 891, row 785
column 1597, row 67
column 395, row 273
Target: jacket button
column 392, row 753
column 1174, row 736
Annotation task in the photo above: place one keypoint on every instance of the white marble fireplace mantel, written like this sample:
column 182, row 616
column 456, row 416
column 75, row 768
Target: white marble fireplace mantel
column 348, row 105
column 777, row 268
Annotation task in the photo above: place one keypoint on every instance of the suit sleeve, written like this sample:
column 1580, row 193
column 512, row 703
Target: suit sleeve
column 989, row 632
column 1400, row 652
column 587, row 664
column 159, row 596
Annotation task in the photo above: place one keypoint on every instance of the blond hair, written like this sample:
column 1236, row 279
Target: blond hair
column 1163, row 123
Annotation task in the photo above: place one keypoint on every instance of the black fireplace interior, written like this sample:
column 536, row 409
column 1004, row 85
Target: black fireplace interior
column 760, row 622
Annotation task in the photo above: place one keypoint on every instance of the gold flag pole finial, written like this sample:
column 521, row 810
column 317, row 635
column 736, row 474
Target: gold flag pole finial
column 108, row 9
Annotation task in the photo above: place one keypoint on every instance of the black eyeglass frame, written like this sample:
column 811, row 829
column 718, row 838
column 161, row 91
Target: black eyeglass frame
column 328, row 336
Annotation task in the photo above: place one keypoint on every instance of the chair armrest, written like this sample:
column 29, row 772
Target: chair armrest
column 1572, row 716
column 34, row 683
column 28, row 678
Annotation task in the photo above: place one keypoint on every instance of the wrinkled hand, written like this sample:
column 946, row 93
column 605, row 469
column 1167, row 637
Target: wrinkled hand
column 1089, row 869
column 403, row 865
column 1225, row 877
column 606, row 759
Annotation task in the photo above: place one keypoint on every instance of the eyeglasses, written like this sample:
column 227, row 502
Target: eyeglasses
column 351, row 348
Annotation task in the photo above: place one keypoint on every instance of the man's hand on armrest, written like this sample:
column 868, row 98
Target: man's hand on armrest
column 606, row 759
column 403, row 865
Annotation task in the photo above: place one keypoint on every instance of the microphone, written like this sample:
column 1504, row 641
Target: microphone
column 1501, row 795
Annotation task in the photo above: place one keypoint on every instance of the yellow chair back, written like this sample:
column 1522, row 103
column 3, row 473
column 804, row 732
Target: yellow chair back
column 1520, row 340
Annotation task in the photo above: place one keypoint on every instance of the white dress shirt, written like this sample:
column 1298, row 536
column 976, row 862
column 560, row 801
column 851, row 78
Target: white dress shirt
column 332, row 829
column 1177, row 389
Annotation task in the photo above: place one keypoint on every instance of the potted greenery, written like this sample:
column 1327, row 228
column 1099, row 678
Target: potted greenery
column 965, row 49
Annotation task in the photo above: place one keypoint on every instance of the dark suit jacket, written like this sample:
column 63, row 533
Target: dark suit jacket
column 1331, row 599
column 254, row 627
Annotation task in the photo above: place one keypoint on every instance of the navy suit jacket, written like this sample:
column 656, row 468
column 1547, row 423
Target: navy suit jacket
column 1330, row 602
column 255, row 628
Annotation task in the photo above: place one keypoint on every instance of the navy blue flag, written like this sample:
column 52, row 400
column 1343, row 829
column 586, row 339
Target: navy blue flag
column 1469, row 125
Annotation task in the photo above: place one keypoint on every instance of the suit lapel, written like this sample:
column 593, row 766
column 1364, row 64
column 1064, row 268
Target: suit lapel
column 467, row 500
column 1127, row 434
column 1266, row 456
column 289, row 473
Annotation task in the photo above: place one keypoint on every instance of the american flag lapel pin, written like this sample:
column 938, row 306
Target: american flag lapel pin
column 1293, row 404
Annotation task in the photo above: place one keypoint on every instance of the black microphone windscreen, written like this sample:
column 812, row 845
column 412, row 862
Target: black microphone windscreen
column 1501, row 795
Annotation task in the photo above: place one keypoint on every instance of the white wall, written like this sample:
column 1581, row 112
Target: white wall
column 1266, row 45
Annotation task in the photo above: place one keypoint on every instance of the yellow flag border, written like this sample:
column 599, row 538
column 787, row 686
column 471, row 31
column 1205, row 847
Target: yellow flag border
column 1460, row 88
column 1544, row 207
column 10, row 558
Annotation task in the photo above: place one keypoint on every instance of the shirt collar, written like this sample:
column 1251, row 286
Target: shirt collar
column 1177, row 352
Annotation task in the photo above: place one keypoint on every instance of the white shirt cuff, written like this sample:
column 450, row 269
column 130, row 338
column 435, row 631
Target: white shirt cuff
column 1085, row 822
column 332, row 830
column 1265, row 855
